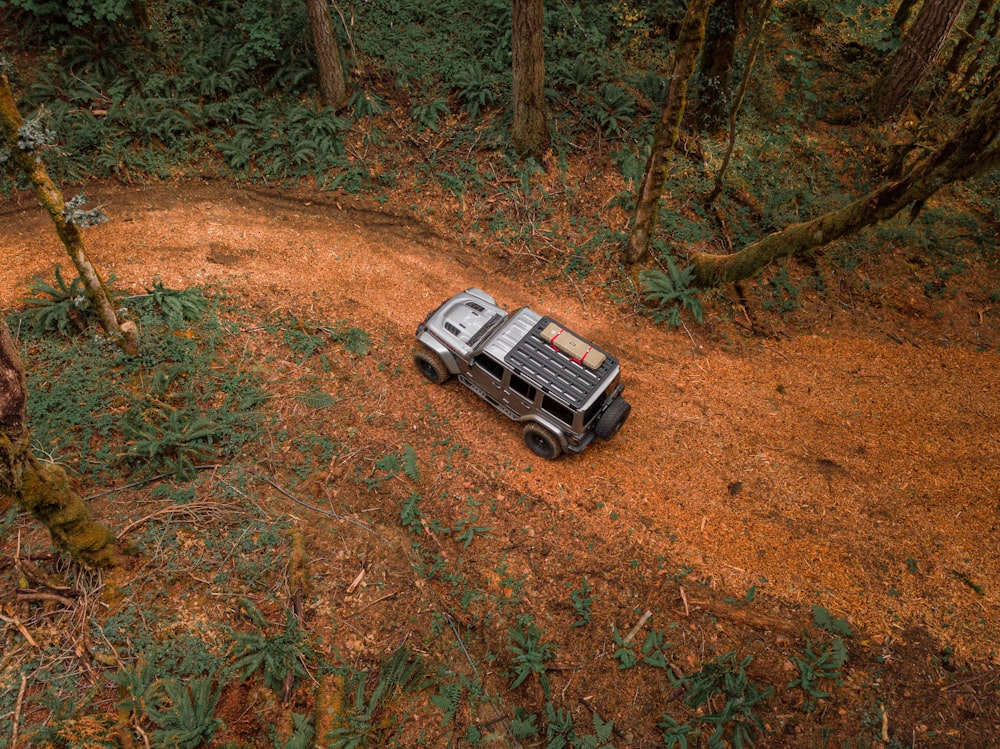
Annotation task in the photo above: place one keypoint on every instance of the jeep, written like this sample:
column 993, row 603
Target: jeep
column 563, row 389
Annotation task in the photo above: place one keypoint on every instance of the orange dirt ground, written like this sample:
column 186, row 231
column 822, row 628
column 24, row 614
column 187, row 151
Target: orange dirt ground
column 849, row 459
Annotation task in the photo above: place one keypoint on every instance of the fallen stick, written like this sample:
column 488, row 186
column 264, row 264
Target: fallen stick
column 638, row 625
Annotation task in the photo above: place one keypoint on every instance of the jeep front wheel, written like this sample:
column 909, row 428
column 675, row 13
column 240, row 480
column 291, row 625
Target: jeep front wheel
column 612, row 419
column 431, row 366
column 541, row 441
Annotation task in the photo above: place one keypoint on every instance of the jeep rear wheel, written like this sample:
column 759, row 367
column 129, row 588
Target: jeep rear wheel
column 541, row 441
column 612, row 419
column 431, row 366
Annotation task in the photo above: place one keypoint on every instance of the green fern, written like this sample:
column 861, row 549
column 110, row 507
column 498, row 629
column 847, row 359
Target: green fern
column 401, row 673
column 276, row 656
column 408, row 458
column 447, row 700
column 427, row 115
column 302, row 734
column 185, row 713
column 673, row 291
column 62, row 307
column 816, row 666
column 171, row 438
column 531, row 653
column 175, row 306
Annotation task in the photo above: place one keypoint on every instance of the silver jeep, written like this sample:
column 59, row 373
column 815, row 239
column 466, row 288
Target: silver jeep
column 529, row 367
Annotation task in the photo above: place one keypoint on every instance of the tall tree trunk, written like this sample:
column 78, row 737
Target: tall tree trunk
column 126, row 335
column 666, row 131
column 920, row 47
column 43, row 489
column 332, row 87
column 973, row 150
column 722, row 33
column 530, row 134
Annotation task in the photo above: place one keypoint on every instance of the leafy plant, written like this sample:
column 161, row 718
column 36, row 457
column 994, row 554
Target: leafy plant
column 582, row 601
column 833, row 624
column 735, row 720
column 173, row 438
column 624, row 653
column 184, row 712
column 675, row 734
column 62, row 307
column 672, row 290
column 522, row 725
column 176, row 306
column 473, row 89
column 302, row 734
column 531, row 653
column 275, row 656
column 426, row 115
column 400, row 673
column 652, row 649
column 816, row 666
column 447, row 700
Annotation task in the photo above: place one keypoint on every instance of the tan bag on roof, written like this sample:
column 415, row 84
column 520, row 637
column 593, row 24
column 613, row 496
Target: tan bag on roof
column 576, row 349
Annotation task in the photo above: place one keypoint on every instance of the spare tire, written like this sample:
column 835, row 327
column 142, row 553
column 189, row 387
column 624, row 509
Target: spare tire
column 612, row 419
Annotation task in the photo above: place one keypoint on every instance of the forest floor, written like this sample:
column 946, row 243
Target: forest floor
column 845, row 455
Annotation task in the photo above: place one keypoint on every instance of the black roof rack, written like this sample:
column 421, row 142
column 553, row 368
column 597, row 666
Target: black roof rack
column 555, row 373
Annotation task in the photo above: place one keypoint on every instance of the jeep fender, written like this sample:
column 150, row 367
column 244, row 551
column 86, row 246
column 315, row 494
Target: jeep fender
column 446, row 354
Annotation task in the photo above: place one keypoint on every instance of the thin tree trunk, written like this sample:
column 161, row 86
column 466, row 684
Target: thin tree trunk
column 977, row 61
column 126, row 335
column 971, row 151
column 968, row 36
column 332, row 87
column 902, row 16
column 738, row 102
column 43, row 489
column 912, row 62
column 530, row 133
column 667, row 129
column 722, row 31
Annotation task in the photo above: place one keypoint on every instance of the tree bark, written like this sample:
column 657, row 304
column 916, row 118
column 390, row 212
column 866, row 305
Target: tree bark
column 332, row 86
column 126, row 335
column 722, row 32
column 43, row 489
column 530, row 133
column 667, row 129
column 920, row 47
column 971, row 151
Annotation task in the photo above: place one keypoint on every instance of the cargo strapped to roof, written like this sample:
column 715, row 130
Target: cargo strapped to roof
column 576, row 349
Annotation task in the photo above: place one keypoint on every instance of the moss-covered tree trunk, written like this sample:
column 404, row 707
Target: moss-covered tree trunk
column 667, row 129
column 43, row 489
column 126, row 335
column 332, row 86
column 973, row 150
column 530, row 132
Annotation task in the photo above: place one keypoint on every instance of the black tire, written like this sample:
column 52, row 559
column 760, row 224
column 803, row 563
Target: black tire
column 612, row 419
column 430, row 366
column 541, row 441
